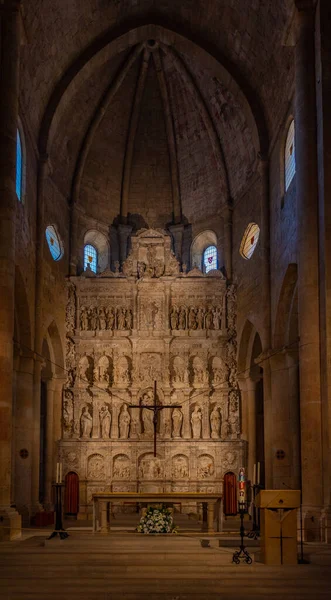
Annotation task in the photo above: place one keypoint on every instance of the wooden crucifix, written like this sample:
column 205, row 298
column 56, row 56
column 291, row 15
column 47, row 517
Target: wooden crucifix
column 156, row 409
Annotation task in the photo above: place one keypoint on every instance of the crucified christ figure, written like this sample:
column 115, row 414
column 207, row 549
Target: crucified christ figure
column 155, row 408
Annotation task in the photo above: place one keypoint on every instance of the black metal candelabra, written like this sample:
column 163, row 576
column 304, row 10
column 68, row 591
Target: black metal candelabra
column 242, row 553
column 58, row 513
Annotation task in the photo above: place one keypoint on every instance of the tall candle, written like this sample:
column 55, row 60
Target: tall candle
column 57, row 472
column 60, row 474
column 254, row 474
column 258, row 473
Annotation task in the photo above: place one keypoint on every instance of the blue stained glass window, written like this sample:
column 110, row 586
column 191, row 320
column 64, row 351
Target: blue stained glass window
column 19, row 166
column 290, row 166
column 54, row 242
column 210, row 258
column 90, row 257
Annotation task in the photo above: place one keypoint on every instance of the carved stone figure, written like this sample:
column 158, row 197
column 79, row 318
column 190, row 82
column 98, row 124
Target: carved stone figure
column 174, row 318
column 110, row 318
column 105, row 422
column 128, row 319
column 93, row 319
column 83, row 319
column 234, row 426
column 67, row 414
column 192, row 323
column 124, row 422
column 220, row 371
column 121, row 318
column 216, row 318
column 102, row 319
column 86, row 423
column 198, row 371
column 196, row 421
column 209, row 319
column 215, row 423
column 177, row 419
column 180, row 373
column 182, row 318
column 200, row 318
column 147, row 417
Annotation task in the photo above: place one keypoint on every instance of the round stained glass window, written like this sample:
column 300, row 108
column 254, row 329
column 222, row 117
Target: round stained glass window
column 249, row 241
column 54, row 242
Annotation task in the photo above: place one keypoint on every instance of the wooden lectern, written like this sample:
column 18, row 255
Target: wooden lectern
column 278, row 520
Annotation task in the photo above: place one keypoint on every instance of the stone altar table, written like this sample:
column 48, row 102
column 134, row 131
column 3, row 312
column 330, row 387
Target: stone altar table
column 102, row 499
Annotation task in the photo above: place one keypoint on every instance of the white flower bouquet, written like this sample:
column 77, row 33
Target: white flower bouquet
column 157, row 520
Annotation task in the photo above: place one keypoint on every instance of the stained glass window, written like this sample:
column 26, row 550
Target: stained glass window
column 210, row 258
column 249, row 241
column 19, row 166
column 90, row 257
column 54, row 242
column 289, row 156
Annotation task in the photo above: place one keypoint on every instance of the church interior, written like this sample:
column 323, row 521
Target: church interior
column 165, row 315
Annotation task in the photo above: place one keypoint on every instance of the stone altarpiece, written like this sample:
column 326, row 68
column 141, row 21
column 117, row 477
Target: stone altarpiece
column 125, row 329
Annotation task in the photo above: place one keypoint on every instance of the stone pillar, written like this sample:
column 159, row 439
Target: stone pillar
column 9, row 72
column 308, row 283
column 280, row 439
column 268, row 420
column 264, row 244
column 23, row 434
column 323, row 93
column 49, row 443
column 250, row 397
column 292, row 363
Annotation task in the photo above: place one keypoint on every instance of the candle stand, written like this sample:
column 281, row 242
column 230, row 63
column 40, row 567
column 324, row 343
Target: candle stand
column 58, row 531
column 242, row 553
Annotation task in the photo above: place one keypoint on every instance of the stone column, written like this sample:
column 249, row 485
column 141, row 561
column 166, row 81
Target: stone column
column 323, row 92
column 49, row 443
column 23, row 433
column 308, row 283
column 250, row 397
column 9, row 72
column 292, row 362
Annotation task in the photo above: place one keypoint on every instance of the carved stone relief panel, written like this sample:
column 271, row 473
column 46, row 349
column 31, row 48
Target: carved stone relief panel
column 206, row 466
column 150, row 467
column 96, row 467
column 180, row 467
column 121, row 467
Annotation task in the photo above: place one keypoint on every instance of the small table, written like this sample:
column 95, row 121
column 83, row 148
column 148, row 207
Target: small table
column 101, row 500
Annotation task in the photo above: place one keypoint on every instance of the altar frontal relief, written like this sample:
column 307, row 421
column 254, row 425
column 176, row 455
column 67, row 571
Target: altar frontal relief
column 125, row 330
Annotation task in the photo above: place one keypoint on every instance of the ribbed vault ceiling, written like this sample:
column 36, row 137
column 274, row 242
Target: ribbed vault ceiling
column 224, row 97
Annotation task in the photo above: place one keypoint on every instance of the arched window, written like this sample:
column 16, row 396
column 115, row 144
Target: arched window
column 289, row 156
column 210, row 259
column 54, row 242
column 249, row 241
column 19, row 166
column 100, row 245
column 90, row 258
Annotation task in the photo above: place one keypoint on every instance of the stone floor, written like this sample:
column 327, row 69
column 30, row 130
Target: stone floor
column 130, row 566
